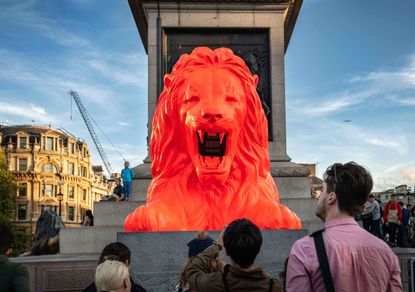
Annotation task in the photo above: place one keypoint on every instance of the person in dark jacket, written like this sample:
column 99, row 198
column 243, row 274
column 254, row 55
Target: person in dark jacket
column 13, row 276
column 196, row 246
column 242, row 241
column 119, row 252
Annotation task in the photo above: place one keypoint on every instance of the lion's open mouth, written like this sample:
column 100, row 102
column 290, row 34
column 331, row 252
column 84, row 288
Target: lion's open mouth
column 212, row 147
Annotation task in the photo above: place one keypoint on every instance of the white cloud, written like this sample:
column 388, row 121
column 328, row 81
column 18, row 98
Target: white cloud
column 23, row 110
column 123, row 124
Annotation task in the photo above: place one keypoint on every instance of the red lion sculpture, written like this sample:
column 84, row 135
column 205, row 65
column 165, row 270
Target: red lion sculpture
column 209, row 149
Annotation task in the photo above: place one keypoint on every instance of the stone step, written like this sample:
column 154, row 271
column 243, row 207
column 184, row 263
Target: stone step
column 113, row 213
column 86, row 240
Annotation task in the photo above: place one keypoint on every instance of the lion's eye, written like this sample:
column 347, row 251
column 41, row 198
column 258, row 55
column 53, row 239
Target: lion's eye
column 192, row 99
column 231, row 99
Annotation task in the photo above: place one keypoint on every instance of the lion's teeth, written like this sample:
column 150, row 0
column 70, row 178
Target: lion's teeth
column 199, row 132
column 221, row 136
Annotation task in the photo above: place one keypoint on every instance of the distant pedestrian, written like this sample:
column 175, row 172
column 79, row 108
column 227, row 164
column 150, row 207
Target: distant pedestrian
column 403, row 232
column 89, row 218
column 127, row 175
column 392, row 215
column 342, row 256
column 13, row 276
column 118, row 192
column 374, row 210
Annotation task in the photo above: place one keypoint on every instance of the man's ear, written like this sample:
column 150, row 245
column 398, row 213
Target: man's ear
column 332, row 198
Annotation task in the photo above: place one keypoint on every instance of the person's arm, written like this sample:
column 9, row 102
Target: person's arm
column 297, row 277
column 395, row 283
column 21, row 279
column 132, row 173
column 196, row 276
column 399, row 212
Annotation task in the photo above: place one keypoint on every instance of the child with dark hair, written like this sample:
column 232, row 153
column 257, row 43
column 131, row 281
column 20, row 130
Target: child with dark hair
column 13, row 276
column 242, row 241
column 116, row 251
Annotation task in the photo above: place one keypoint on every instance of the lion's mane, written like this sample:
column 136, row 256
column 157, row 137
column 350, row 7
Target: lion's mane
column 176, row 199
column 251, row 156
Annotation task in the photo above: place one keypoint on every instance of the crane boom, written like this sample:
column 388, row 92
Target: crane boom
column 91, row 130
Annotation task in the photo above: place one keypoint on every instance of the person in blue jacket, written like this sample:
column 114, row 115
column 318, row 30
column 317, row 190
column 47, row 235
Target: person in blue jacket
column 127, row 175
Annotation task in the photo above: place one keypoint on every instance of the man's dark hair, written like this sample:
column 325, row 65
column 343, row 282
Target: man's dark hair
column 400, row 203
column 242, row 240
column 393, row 195
column 6, row 238
column 371, row 196
column 115, row 251
column 352, row 184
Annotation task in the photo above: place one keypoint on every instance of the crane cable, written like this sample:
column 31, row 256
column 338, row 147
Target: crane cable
column 106, row 137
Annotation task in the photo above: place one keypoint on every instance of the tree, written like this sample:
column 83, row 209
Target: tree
column 8, row 206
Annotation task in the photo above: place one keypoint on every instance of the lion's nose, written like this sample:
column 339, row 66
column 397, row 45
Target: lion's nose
column 212, row 116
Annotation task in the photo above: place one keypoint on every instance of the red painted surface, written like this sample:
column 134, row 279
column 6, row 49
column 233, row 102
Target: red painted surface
column 209, row 150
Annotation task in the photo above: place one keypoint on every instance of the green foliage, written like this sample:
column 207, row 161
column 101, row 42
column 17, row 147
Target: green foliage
column 8, row 206
column 8, row 188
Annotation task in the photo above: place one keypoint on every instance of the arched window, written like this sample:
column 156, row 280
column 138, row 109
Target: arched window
column 50, row 168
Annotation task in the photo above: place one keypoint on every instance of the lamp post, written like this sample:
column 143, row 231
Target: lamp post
column 60, row 196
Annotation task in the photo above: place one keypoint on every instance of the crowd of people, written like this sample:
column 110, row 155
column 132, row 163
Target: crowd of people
column 392, row 222
column 341, row 257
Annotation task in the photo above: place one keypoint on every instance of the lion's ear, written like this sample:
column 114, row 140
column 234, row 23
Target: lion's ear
column 255, row 79
column 167, row 80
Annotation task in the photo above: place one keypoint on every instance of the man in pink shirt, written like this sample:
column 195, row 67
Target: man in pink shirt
column 357, row 260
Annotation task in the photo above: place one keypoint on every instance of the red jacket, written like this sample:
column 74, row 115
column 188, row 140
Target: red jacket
column 392, row 206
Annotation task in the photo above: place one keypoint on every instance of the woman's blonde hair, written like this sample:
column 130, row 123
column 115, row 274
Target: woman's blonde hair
column 110, row 276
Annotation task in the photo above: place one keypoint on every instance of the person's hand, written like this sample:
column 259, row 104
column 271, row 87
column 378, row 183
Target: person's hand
column 220, row 238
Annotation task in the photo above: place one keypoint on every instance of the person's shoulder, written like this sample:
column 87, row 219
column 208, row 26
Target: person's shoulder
column 303, row 244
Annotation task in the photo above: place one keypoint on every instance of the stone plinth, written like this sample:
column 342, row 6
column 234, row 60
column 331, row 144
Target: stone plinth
column 157, row 257
column 58, row 272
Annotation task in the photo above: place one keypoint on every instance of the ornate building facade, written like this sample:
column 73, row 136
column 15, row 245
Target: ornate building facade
column 53, row 171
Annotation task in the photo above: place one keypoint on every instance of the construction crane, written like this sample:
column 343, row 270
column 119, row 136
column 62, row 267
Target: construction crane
column 91, row 130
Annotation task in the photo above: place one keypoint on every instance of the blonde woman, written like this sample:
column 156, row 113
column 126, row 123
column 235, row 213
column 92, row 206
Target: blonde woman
column 112, row 276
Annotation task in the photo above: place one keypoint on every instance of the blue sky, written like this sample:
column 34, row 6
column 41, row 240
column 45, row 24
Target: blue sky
column 347, row 60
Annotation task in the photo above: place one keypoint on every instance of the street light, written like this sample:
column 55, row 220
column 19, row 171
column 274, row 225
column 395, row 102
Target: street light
column 60, row 196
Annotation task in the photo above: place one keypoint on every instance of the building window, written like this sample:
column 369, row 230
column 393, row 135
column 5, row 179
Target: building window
column 49, row 143
column 22, row 191
column 84, row 194
column 71, row 213
column 71, row 168
column 71, row 148
column 22, row 164
column 71, row 192
column 49, row 190
column 21, row 212
column 49, row 168
column 23, row 143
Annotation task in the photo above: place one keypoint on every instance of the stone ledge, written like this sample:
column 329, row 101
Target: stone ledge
column 157, row 266
column 87, row 240
column 288, row 169
column 113, row 213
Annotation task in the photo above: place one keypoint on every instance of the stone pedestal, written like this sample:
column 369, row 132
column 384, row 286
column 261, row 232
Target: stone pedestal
column 157, row 257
